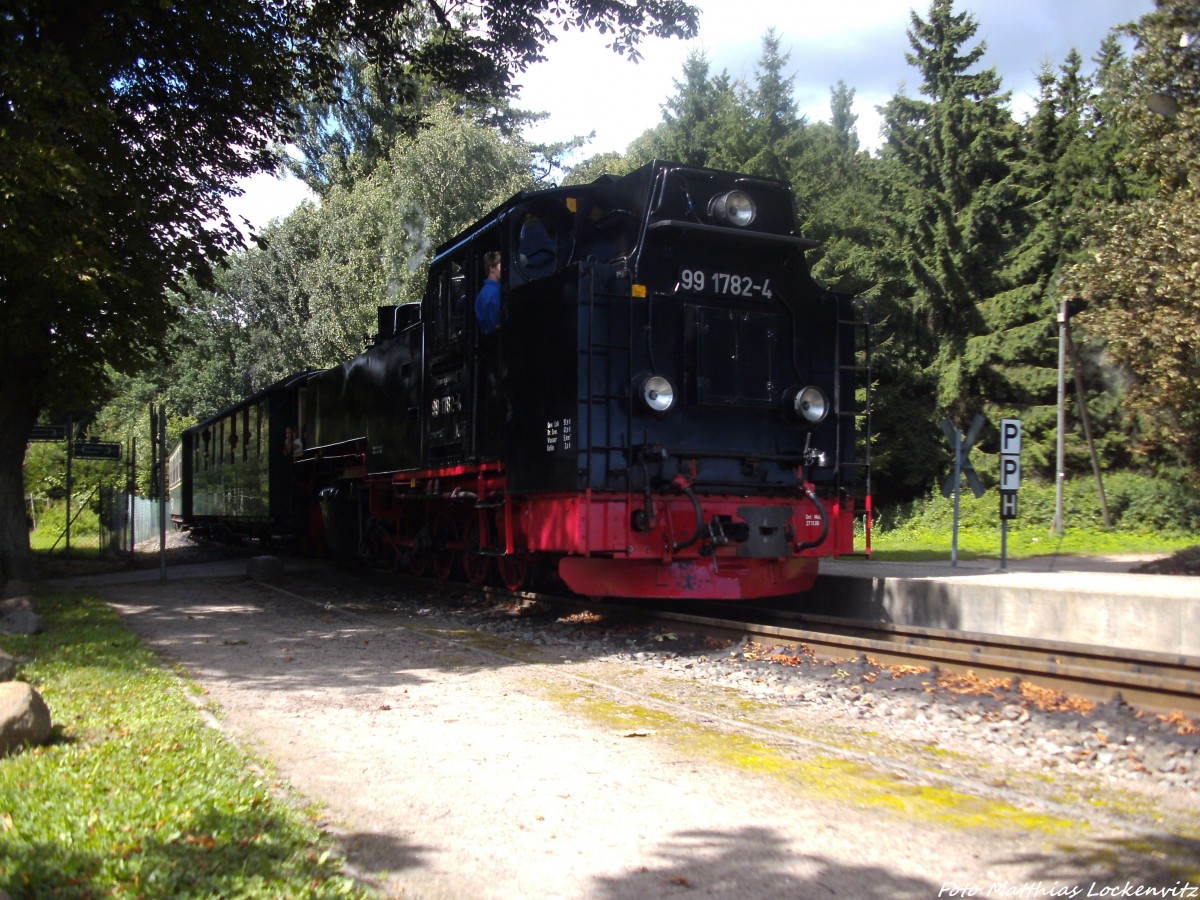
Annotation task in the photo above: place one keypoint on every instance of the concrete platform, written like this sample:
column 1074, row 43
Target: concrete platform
column 1082, row 600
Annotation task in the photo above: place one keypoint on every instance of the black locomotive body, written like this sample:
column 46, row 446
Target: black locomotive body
column 671, row 407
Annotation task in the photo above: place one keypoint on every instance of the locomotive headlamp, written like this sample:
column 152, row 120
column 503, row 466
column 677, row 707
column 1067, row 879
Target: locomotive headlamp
column 657, row 393
column 806, row 404
column 732, row 208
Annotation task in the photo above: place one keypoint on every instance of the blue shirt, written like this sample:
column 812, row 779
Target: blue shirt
column 487, row 306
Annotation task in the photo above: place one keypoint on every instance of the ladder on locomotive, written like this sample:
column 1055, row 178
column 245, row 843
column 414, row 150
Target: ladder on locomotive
column 607, row 360
column 854, row 476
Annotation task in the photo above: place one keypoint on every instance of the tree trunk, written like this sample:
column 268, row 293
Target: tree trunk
column 18, row 414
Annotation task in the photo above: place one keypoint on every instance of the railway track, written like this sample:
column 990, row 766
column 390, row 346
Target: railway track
column 1153, row 681
column 1156, row 682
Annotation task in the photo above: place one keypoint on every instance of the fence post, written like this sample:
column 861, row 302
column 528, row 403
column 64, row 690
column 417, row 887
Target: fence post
column 162, row 492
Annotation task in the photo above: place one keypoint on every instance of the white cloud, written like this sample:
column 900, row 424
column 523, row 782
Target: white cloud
column 266, row 197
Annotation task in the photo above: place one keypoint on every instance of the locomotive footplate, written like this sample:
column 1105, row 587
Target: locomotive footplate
column 769, row 532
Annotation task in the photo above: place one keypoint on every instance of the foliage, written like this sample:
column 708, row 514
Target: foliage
column 341, row 139
column 589, row 170
column 50, row 533
column 981, row 539
column 46, row 473
column 1144, row 287
column 307, row 297
column 1149, row 514
column 1141, row 277
column 701, row 122
column 958, row 215
column 135, row 795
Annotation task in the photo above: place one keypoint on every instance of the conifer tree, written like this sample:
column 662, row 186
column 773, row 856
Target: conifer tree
column 688, row 115
column 776, row 128
column 955, row 152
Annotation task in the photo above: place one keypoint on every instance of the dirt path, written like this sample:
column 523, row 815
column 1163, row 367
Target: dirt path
column 454, row 764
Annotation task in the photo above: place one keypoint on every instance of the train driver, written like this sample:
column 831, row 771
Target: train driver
column 487, row 304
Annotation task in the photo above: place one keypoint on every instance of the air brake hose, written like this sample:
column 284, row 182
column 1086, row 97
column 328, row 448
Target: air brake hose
column 807, row 545
column 680, row 484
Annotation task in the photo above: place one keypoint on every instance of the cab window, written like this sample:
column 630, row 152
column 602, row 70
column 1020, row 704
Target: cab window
column 452, row 301
column 544, row 237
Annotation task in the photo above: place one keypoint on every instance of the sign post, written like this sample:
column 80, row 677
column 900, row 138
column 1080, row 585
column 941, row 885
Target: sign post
column 1010, row 479
column 961, row 446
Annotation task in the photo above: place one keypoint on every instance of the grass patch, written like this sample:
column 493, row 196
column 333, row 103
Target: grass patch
column 917, row 543
column 135, row 796
column 1146, row 516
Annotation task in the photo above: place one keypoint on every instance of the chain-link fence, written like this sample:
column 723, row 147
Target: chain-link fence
column 126, row 520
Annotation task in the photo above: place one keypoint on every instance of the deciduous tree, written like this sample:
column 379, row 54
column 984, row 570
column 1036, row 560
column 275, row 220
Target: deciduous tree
column 1142, row 277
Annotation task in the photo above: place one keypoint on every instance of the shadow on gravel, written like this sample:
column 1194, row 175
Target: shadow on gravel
column 325, row 629
column 750, row 862
column 371, row 852
column 248, row 635
column 1149, row 866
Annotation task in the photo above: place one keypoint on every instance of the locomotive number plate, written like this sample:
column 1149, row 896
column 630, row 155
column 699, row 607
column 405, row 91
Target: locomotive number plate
column 731, row 284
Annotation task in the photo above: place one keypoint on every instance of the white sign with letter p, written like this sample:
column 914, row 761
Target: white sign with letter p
column 1010, row 437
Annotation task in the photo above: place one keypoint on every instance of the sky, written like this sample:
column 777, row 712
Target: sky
column 585, row 87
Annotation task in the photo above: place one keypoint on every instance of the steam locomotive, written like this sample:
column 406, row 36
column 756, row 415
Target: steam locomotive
column 671, row 407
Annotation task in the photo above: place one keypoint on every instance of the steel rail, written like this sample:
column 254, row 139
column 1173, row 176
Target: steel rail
column 1152, row 681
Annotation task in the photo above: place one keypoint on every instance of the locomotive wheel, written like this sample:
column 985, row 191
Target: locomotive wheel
column 516, row 571
column 371, row 546
column 444, row 554
column 477, row 568
column 419, row 560
column 416, row 555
